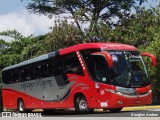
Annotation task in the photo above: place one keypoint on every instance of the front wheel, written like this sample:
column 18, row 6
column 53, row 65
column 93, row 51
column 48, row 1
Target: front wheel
column 81, row 105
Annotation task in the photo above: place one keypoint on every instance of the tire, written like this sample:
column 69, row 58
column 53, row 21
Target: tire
column 115, row 110
column 21, row 107
column 81, row 105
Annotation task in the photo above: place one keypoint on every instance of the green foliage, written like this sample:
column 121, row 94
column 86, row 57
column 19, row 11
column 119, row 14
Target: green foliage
column 62, row 35
column 153, row 37
column 154, row 73
column 19, row 49
column 84, row 10
column 139, row 28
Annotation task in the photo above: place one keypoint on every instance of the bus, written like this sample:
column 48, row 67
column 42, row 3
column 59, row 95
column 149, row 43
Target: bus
column 87, row 76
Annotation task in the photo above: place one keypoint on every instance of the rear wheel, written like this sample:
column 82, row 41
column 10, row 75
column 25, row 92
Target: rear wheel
column 115, row 110
column 81, row 105
column 21, row 107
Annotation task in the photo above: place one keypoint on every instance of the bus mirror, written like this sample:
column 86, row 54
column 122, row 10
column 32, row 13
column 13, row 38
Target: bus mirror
column 107, row 56
column 153, row 58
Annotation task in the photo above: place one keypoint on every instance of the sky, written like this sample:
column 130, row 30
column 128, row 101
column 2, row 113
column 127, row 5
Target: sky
column 13, row 15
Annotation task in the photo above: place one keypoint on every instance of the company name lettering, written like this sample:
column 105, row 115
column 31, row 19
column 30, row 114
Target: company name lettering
column 36, row 83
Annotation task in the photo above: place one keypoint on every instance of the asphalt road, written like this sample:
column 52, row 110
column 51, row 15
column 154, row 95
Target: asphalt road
column 144, row 113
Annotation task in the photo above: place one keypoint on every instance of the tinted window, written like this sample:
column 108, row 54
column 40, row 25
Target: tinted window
column 55, row 66
column 98, row 68
column 11, row 76
column 28, row 73
column 7, row 77
column 41, row 70
column 16, row 75
column 72, row 65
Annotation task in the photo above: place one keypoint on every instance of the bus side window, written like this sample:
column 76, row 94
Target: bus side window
column 6, row 77
column 55, row 66
column 90, row 65
column 72, row 64
column 41, row 70
column 28, row 73
column 101, row 69
column 16, row 76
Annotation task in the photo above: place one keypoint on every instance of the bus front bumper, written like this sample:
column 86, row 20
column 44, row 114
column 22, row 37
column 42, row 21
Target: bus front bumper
column 120, row 100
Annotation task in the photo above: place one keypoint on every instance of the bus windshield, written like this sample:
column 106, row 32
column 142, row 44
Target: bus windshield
column 128, row 69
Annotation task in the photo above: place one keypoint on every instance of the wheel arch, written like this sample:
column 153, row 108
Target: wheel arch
column 77, row 95
column 20, row 98
column 84, row 94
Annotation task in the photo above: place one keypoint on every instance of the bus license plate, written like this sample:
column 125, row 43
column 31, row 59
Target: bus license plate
column 104, row 104
column 138, row 101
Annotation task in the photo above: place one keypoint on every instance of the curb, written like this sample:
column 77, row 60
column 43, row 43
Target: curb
column 141, row 108
column 135, row 108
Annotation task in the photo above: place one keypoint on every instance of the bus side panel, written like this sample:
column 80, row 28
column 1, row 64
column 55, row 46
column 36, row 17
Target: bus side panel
column 84, row 86
column 30, row 102
column 9, row 98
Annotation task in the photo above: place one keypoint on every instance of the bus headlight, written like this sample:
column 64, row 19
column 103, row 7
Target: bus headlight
column 150, row 91
column 126, row 90
column 111, row 91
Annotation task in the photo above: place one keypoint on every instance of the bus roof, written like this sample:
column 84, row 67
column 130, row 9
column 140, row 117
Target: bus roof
column 36, row 59
column 102, row 46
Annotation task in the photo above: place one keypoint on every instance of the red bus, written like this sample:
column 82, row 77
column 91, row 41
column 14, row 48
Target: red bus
column 88, row 76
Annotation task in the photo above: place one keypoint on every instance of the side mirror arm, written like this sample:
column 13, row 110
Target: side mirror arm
column 107, row 56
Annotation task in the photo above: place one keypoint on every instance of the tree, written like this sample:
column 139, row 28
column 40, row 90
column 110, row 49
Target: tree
column 84, row 10
column 140, row 28
column 62, row 35
column 19, row 49
column 3, row 45
column 154, row 73
column 152, row 23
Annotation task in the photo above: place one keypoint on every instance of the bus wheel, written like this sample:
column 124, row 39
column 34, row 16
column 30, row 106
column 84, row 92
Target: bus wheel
column 115, row 110
column 21, row 107
column 81, row 105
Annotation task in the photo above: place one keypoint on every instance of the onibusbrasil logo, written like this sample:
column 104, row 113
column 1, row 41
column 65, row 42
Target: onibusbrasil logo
column 14, row 114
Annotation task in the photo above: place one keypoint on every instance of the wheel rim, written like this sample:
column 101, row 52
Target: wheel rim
column 21, row 106
column 83, row 105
